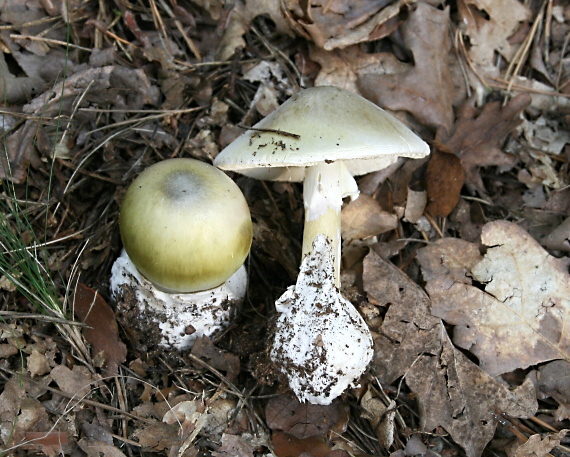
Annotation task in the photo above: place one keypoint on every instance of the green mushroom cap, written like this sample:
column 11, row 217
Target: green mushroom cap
column 185, row 225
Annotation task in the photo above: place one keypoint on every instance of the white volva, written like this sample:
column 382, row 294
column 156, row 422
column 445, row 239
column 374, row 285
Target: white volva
column 321, row 343
column 208, row 311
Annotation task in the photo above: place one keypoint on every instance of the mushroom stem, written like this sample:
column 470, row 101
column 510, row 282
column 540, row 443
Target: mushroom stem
column 324, row 187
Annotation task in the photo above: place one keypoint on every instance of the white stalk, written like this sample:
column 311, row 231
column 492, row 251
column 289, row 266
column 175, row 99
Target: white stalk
column 324, row 187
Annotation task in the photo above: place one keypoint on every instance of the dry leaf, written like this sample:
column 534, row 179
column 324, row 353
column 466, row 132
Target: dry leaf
column 343, row 67
column 234, row 446
column 424, row 90
column 304, row 420
column 559, row 238
column 364, row 217
column 94, row 448
column 47, row 443
column 489, row 25
column 38, row 364
column 110, row 84
column 103, row 331
column 239, row 20
column 409, row 329
column 205, row 350
column 13, row 404
column 158, row 437
column 287, row 446
column 381, row 417
column 444, row 179
column 553, row 380
column 453, row 392
column 478, row 137
column 516, row 316
column 415, row 205
column 537, row 445
column 77, row 382
column 337, row 23
column 456, row 394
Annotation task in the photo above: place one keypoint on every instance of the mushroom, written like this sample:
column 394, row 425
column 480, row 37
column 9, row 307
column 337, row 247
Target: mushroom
column 322, row 136
column 186, row 231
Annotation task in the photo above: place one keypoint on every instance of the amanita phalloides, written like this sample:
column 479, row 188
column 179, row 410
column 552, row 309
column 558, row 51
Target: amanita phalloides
column 186, row 231
column 322, row 136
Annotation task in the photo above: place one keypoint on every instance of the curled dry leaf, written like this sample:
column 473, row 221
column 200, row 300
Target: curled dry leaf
column 415, row 205
column 559, row 238
column 515, row 314
column 381, row 417
column 444, row 180
column 537, row 445
column 364, row 217
column 239, row 21
column 37, row 364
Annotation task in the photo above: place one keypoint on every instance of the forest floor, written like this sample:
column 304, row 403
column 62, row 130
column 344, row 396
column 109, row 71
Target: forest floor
column 458, row 262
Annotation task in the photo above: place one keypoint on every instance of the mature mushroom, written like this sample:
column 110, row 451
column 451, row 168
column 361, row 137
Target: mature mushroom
column 323, row 136
column 186, row 231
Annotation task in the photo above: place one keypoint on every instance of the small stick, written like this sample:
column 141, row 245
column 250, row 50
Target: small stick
column 277, row 131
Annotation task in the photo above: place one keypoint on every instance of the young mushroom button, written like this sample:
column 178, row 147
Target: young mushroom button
column 186, row 231
column 323, row 136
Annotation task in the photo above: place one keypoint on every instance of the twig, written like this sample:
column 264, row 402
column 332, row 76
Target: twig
column 16, row 36
column 43, row 317
column 277, row 131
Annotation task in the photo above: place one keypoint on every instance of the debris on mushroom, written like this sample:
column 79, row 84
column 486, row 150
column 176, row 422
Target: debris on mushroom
column 186, row 231
column 321, row 344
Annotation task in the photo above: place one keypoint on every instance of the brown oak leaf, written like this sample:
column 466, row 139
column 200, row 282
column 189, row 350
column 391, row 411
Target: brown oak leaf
column 452, row 391
column 103, row 331
column 427, row 89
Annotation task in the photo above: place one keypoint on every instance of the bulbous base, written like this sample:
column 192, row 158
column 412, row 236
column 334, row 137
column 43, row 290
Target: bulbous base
column 321, row 344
